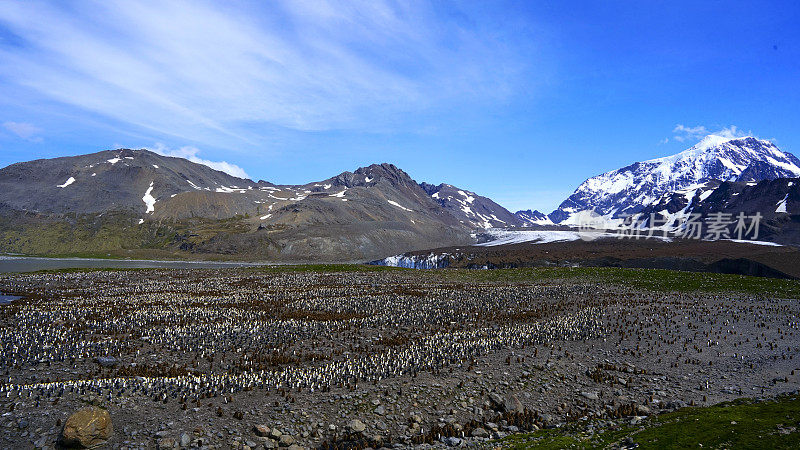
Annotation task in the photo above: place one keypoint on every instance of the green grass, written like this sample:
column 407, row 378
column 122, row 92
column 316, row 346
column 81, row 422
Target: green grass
column 738, row 424
column 657, row 280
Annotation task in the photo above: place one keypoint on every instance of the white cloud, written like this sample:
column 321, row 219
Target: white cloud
column 733, row 132
column 683, row 133
column 190, row 153
column 221, row 71
column 24, row 130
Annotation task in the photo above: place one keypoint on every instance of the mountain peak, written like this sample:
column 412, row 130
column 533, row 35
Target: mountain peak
column 372, row 174
column 383, row 169
column 715, row 144
column 630, row 189
column 714, row 140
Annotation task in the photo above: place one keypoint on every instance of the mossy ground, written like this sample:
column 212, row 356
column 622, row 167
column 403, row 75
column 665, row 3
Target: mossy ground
column 657, row 280
column 739, row 424
column 116, row 235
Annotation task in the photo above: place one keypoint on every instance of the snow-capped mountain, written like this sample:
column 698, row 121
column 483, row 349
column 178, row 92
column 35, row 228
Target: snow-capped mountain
column 776, row 201
column 630, row 189
column 530, row 218
column 469, row 208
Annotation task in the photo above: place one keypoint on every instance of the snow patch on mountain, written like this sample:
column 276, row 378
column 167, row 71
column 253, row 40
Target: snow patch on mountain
column 69, row 181
column 230, row 190
column 149, row 200
column 394, row 203
column 782, row 205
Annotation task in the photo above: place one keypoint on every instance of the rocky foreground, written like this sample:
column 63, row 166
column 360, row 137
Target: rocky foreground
column 355, row 359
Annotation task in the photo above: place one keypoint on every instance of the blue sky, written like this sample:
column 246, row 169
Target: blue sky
column 518, row 101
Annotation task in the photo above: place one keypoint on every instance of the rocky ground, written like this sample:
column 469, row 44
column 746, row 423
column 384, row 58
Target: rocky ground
column 352, row 359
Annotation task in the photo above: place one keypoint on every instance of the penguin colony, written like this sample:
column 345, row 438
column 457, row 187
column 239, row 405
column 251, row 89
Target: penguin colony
column 203, row 339
column 235, row 333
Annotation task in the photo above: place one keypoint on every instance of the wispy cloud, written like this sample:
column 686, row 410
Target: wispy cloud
column 190, row 153
column 24, row 130
column 733, row 132
column 682, row 133
column 224, row 71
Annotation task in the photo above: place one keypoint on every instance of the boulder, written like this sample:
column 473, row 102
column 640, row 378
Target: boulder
column 261, row 430
column 480, row 433
column 87, row 428
column 285, row 440
column 185, row 440
column 591, row 395
column 452, row 441
column 356, row 426
column 496, row 402
column 512, row 405
column 509, row 404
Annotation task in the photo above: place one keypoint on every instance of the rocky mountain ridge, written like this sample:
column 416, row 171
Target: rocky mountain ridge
column 631, row 189
column 373, row 211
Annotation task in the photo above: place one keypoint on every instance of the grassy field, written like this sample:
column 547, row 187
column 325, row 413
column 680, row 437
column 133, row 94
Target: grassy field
column 648, row 279
column 116, row 235
column 656, row 280
column 740, row 424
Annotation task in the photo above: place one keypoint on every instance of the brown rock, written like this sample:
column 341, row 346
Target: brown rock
column 285, row 440
column 86, row 428
column 261, row 430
